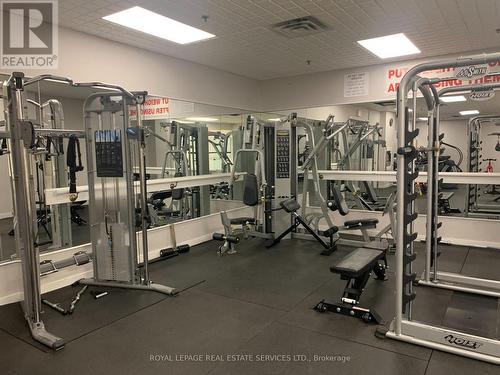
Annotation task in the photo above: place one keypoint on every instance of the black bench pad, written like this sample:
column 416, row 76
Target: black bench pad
column 357, row 262
column 242, row 220
column 360, row 223
column 161, row 195
column 290, row 205
column 165, row 211
column 376, row 245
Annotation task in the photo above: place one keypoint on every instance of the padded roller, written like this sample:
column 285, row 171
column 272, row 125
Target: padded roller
column 339, row 201
column 242, row 220
column 218, row 236
column 361, row 223
column 183, row 248
column 330, row 231
column 222, row 237
column 233, row 239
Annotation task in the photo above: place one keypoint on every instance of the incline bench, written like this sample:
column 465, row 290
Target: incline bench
column 356, row 268
column 291, row 206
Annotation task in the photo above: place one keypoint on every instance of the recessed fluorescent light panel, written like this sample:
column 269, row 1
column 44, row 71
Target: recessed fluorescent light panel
column 390, row 46
column 274, row 119
column 471, row 112
column 453, row 99
column 202, row 119
column 422, row 119
column 148, row 22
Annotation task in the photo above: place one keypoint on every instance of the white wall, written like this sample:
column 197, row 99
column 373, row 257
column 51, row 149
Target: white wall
column 88, row 58
column 327, row 88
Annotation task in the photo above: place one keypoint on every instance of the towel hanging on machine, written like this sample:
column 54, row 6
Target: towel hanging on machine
column 74, row 163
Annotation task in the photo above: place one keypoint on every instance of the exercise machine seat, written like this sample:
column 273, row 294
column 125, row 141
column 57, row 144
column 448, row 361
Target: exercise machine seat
column 361, row 223
column 290, row 205
column 356, row 263
column 242, row 220
column 250, row 190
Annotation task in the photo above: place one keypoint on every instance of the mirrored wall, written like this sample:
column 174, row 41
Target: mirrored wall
column 369, row 143
column 183, row 139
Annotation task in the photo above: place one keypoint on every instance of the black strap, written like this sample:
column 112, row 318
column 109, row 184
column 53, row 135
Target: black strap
column 73, row 156
column 49, row 146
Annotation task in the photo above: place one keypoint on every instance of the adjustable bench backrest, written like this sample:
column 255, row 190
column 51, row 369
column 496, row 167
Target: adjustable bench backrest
column 250, row 190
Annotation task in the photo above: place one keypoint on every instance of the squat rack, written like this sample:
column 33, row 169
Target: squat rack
column 432, row 276
column 403, row 327
column 473, row 143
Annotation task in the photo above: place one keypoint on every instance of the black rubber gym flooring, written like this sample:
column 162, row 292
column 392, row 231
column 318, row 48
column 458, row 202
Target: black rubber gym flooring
column 250, row 313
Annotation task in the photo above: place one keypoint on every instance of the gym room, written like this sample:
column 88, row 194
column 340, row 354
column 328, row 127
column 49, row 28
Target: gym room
column 250, row 187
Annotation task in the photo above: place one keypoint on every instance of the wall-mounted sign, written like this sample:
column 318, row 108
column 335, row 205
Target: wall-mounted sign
column 481, row 95
column 356, row 84
column 153, row 108
column 465, row 73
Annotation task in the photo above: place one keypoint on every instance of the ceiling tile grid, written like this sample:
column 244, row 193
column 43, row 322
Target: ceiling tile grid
column 245, row 45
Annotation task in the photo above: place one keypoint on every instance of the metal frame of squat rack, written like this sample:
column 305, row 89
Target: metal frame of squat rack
column 473, row 132
column 403, row 327
column 432, row 276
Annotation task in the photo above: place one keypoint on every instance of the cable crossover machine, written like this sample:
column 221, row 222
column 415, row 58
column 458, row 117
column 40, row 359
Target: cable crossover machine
column 112, row 139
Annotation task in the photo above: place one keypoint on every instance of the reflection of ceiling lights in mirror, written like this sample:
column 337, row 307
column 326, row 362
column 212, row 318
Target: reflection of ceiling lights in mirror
column 453, row 99
column 148, row 22
column 274, row 119
column 469, row 112
column 202, row 119
column 422, row 119
column 390, row 46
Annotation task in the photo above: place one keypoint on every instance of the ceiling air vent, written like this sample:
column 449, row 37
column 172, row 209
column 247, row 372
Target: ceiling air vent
column 298, row 27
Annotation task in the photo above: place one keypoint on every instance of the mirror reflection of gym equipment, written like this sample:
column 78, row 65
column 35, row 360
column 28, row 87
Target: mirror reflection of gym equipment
column 266, row 187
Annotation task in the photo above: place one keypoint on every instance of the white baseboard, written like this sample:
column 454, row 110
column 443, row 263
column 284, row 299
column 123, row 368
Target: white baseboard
column 5, row 215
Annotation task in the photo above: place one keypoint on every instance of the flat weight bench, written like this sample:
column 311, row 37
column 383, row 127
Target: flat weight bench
column 356, row 268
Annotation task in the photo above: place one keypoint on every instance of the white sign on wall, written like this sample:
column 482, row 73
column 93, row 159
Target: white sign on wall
column 153, row 108
column 356, row 84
